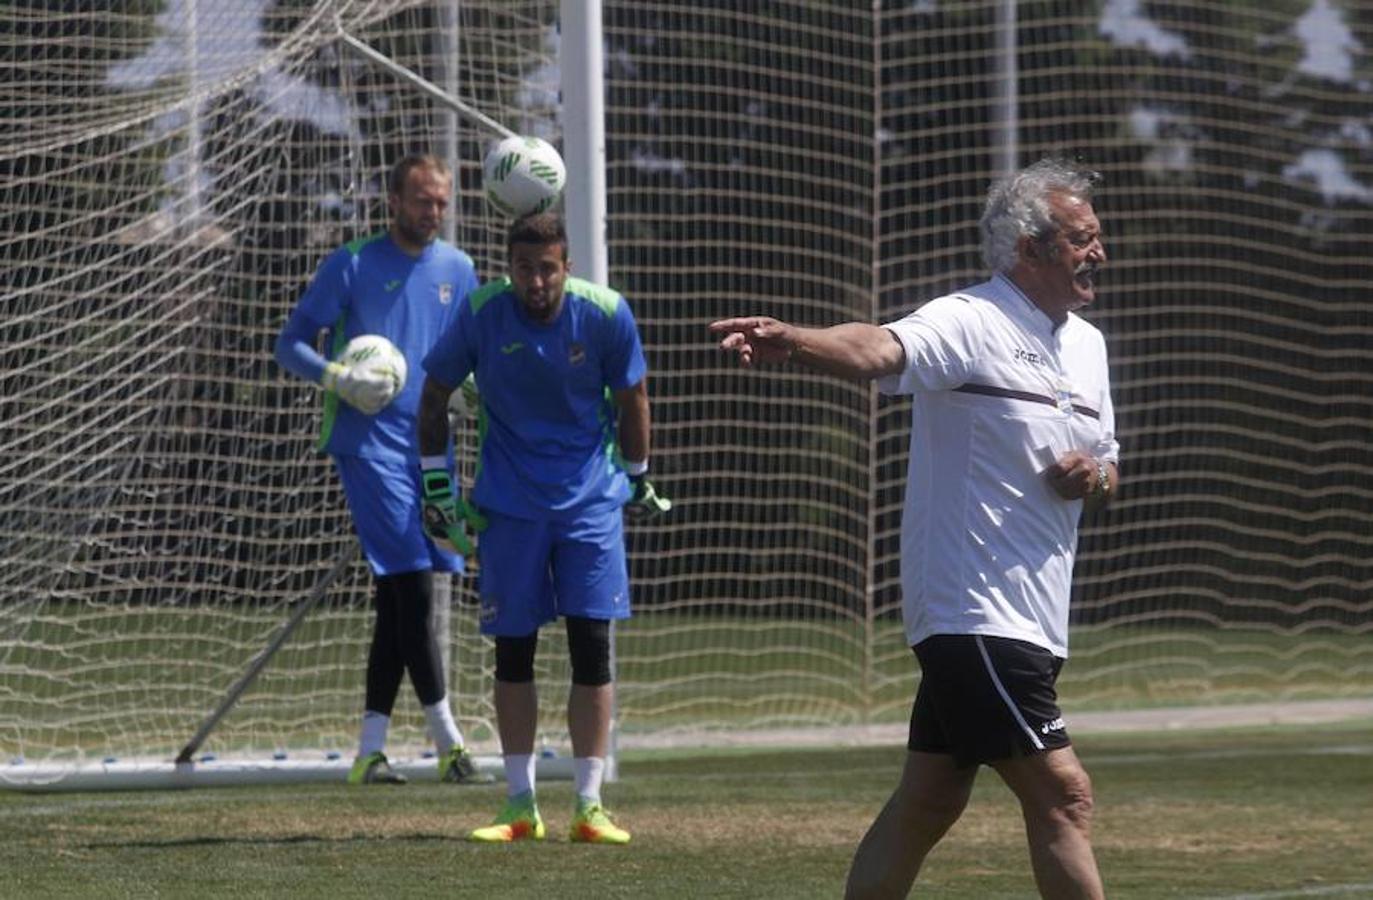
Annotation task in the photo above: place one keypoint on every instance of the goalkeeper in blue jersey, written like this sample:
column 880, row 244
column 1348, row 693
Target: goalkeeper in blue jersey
column 564, row 424
column 403, row 284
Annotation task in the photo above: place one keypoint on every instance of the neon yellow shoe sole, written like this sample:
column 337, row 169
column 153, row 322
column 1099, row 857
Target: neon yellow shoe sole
column 593, row 826
column 513, row 824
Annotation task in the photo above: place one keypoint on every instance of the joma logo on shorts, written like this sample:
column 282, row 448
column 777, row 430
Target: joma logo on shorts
column 1055, row 725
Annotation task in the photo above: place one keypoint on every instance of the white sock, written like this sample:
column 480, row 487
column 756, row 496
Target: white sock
column 519, row 773
column 374, row 725
column 442, row 727
column 588, row 771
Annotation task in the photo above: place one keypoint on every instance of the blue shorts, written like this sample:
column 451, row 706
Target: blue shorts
column 532, row 572
column 384, row 498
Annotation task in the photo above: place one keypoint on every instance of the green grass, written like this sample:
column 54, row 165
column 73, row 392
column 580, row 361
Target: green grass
column 74, row 679
column 1179, row 815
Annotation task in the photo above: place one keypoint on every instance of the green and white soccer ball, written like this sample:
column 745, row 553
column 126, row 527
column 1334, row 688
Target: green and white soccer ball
column 374, row 353
column 523, row 175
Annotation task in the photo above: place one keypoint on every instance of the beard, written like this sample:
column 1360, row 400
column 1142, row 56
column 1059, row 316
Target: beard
column 416, row 233
column 541, row 310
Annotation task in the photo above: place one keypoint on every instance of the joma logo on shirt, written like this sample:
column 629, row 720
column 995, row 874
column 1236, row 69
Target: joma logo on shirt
column 1033, row 359
column 508, row 349
column 391, row 285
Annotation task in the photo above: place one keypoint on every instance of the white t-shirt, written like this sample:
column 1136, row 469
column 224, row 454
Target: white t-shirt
column 987, row 547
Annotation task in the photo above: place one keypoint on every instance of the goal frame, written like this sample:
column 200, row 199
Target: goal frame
column 584, row 146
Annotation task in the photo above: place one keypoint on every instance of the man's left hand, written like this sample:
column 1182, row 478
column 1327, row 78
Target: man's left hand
column 1073, row 476
column 645, row 503
column 446, row 515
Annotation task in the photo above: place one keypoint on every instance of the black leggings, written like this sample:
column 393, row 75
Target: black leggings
column 588, row 644
column 402, row 641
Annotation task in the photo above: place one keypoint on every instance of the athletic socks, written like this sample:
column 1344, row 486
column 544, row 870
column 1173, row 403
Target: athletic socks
column 519, row 773
column 373, row 737
column 442, row 728
column 588, row 772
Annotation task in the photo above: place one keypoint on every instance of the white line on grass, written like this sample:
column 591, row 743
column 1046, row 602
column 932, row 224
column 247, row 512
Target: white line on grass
column 1107, row 758
column 1328, row 890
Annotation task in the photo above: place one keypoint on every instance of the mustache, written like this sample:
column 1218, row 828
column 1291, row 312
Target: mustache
column 1088, row 270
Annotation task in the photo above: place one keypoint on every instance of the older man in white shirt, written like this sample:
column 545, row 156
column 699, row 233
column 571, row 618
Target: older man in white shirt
column 1012, row 435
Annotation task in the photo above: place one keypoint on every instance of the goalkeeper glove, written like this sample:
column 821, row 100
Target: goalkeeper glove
column 446, row 515
column 367, row 392
column 645, row 503
column 463, row 403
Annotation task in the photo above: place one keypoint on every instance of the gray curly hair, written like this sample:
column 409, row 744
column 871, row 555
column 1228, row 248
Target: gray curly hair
column 1019, row 205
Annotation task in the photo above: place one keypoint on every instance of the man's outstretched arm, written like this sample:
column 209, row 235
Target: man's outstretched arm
column 853, row 350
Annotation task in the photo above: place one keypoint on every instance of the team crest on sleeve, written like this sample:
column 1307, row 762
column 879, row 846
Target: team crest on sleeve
column 445, row 293
column 576, row 354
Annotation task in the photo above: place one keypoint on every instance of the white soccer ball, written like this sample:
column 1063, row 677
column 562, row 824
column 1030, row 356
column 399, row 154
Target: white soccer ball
column 523, row 175
column 373, row 353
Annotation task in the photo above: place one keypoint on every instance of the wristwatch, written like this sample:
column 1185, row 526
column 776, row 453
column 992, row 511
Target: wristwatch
column 1103, row 479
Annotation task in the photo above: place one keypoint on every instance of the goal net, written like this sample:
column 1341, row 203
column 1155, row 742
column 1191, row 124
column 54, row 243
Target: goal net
column 174, row 171
column 174, row 174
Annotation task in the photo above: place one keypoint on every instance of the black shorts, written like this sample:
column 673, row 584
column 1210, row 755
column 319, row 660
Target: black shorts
column 984, row 699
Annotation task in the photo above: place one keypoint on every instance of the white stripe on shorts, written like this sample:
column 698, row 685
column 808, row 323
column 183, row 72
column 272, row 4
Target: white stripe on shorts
column 1001, row 689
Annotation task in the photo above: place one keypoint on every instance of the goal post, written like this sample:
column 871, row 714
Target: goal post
column 583, row 120
column 428, row 88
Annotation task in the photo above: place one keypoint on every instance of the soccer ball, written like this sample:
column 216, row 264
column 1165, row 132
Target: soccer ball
column 375, row 354
column 523, row 175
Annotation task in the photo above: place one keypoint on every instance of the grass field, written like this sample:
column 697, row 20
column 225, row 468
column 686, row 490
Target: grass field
column 1227, row 814
column 69, row 684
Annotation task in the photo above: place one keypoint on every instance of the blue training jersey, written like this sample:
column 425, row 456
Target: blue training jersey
column 371, row 286
column 547, row 420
